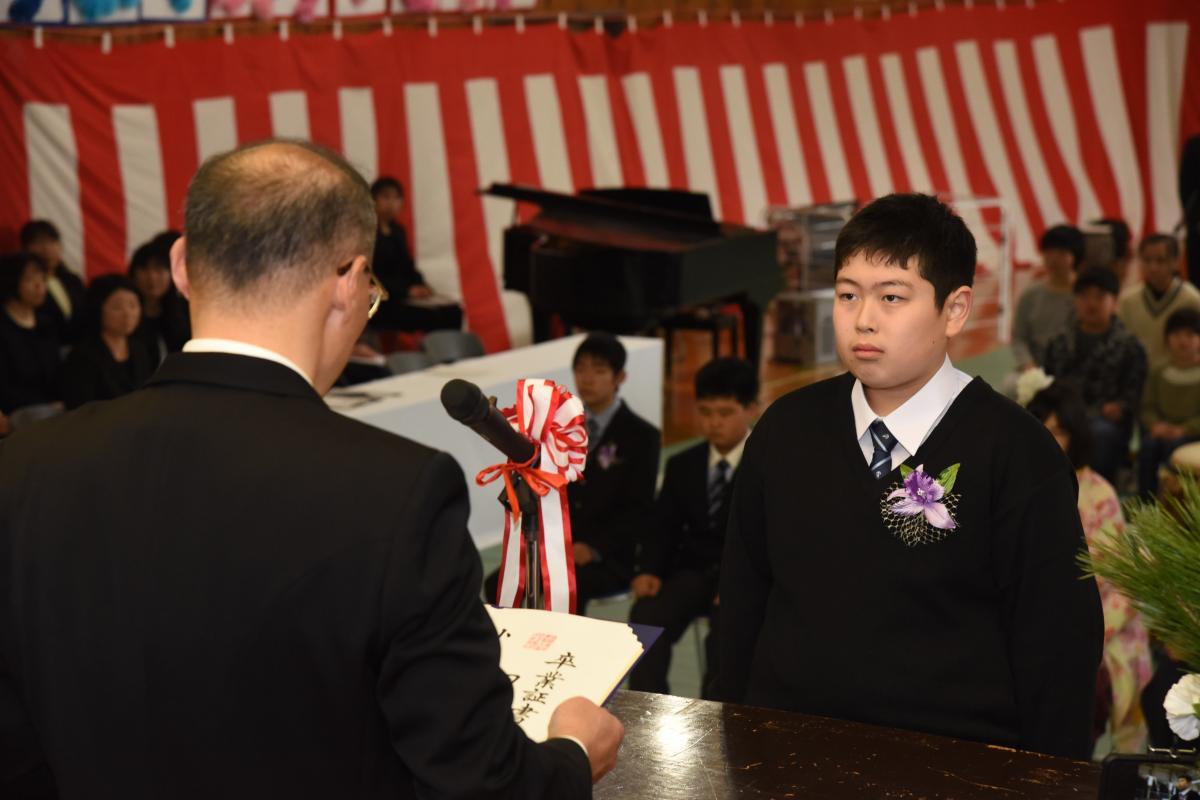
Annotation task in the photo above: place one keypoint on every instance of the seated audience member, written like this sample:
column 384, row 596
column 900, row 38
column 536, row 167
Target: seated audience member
column 1105, row 363
column 28, row 344
column 1044, row 309
column 614, row 500
column 1171, row 402
column 165, row 325
column 1121, row 253
column 680, row 556
column 1144, row 308
column 1126, row 643
column 107, row 361
column 65, row 287
column 409, row 308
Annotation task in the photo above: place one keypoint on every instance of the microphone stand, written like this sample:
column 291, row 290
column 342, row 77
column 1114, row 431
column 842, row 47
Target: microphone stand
column 527, row 499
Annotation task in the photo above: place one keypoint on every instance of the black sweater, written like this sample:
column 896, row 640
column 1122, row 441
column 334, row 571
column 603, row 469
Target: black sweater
column 28, row 364
column 988, row 634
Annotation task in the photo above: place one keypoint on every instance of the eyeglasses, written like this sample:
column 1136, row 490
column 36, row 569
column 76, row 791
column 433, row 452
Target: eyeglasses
column 376, row 294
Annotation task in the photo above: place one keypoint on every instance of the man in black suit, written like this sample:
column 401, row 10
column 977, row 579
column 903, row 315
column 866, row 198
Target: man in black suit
column 614, row 501
column 680, row 556
column 64, row 288
column 217, row 587
column 1184, row 790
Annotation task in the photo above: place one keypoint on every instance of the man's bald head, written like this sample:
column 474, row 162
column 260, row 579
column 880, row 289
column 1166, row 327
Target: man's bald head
column 267, row 221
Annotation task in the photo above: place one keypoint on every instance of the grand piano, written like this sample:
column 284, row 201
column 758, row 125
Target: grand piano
column 633, row 260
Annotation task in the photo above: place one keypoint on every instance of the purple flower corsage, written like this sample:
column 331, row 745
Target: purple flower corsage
column 606, row 456
column 921, row 509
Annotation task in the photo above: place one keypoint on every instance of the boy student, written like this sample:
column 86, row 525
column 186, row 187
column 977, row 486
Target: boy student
column 1044, row 309
column 1171, row 403
column 1145, row 308
column 902, row 541
column 1106, row 363
column 614, row 501
column 680, row 556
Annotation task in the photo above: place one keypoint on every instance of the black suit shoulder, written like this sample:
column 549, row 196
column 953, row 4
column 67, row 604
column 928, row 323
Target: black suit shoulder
column 686, row 461
column 627, row 424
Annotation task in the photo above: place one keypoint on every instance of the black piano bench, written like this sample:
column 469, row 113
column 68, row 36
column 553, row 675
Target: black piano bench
column 708, row 318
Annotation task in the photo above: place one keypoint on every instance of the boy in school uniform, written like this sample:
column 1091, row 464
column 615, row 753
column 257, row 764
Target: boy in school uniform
column 901, row 547
column 680, row 556
column 614, row 500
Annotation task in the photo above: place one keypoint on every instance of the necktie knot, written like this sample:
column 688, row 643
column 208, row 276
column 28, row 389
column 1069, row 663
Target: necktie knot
column 884, row 442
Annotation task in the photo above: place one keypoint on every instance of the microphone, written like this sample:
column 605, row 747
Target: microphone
column 464, row 401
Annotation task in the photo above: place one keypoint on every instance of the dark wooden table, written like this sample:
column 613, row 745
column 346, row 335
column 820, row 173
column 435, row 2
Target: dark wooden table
column 696, row 750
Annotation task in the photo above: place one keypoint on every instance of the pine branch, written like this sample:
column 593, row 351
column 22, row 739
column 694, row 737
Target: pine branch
column 1156, row 563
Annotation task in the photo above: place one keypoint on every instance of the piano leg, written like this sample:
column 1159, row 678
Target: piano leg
column 752, row 324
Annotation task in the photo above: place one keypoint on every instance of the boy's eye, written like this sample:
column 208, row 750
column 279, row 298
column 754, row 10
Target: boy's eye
column 892, row 298
column 847, row 296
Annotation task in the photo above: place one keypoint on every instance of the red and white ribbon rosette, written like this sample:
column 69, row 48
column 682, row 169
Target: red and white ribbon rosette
column 553, row 418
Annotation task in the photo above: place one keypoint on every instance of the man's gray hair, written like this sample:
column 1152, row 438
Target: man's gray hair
column 275, row 216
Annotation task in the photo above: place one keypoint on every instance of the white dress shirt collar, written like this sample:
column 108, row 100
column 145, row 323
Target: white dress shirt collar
column 732, row 458
column 912, row 422
column 234, row 347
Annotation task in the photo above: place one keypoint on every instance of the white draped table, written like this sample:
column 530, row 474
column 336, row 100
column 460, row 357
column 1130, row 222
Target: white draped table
column 411, row 406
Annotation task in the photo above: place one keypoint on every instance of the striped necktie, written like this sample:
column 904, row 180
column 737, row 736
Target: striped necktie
column 716, row 491
column 881, row 459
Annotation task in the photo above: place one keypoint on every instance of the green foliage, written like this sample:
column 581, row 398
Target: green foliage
column 948, row 477
column 1156, row 564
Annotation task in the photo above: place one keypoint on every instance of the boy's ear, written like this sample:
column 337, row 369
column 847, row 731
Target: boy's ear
column 957, row 309
column 619, row 378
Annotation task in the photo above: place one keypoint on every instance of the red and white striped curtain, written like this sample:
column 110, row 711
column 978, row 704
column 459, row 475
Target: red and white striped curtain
column 1068, row 111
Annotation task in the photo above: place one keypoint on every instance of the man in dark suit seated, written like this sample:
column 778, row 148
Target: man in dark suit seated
column 215, row 586
column 614, row 499
column 412, row 307
column 681, row 554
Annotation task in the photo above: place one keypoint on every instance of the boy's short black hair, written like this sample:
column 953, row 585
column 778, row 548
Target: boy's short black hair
column 1100, row 278
column 727, row 377
column 12, row 269
column 1120, row 235
column 604, row 347
column 1184, row 319
column 383, row 184
column 1160, row 238
column 897, row 228
column 1065, row 237
column 1064, row 402
column 37, row 229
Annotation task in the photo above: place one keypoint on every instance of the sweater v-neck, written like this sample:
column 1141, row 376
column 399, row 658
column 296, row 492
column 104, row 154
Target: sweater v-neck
column 937, row 435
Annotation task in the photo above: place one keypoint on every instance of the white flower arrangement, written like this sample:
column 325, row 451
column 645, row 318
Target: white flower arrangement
column 1183, row 707
column 1030, row 382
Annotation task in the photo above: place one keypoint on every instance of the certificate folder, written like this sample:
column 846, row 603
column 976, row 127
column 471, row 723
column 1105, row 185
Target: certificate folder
column 551, row 657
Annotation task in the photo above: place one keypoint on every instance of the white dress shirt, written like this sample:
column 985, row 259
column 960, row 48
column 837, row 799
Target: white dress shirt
column 911, row 423
column 234, row 347
column 732, row 458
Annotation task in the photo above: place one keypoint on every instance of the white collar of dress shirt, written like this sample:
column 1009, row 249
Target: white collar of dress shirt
column 234, row 347
column 733, row 457
column 911, row 422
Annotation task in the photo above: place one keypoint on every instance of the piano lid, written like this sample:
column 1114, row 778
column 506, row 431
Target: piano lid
column 608, row 223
